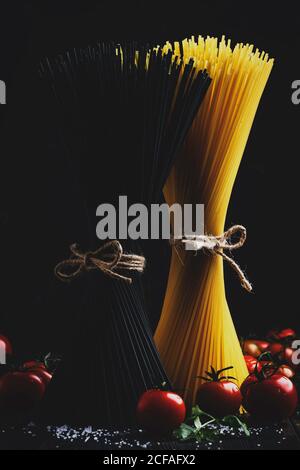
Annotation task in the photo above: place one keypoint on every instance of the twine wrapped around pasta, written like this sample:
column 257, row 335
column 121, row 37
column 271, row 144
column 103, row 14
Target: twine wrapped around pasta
column 109, row 259
column 217, row 245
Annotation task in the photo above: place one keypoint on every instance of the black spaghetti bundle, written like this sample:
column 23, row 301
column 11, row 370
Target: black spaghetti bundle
column 123, row 113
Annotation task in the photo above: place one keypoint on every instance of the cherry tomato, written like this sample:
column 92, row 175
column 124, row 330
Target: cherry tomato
column 219, row 396
column 262, row 345
column 219, row 399
column 20, row 391
column 250, row 348
column 5, row 344
column 270, row 398
column 39, row 369
column 287, row 333
column 34, row 365
column 43, row 374
column 250, row 363
column 275, row 365
column 286, row 370
column 287, row 357
column 160, row 411
column 276, row 348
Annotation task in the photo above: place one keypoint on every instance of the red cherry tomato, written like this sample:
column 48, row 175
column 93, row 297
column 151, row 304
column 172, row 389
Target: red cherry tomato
column 287, row 333
column 219, row 396
column 262, row 345
column 34, row 365
column 20, row 391
column 250, row 363
column 6, row 344
column 287, row 356
column 269, row 399
column 286, row 370
column 250, row 348
column 43, row 374
column 160, row 411
column 276, row 348
column 39, row 369
column 219, row 399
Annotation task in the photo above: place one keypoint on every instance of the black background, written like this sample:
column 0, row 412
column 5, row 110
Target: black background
column 266, row 190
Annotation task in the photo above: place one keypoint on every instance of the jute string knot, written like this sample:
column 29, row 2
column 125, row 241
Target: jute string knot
column 217, row 245
column 109, row 259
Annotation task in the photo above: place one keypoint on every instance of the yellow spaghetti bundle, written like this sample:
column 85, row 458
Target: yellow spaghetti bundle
column 196, row 329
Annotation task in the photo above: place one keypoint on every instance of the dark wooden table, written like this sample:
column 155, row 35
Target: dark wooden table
column 277, row 437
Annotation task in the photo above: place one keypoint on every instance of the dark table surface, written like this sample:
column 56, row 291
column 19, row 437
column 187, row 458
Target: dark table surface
column 31, row 437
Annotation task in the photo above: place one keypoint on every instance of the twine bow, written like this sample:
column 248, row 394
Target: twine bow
column 217, row 245
column 109, row 259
